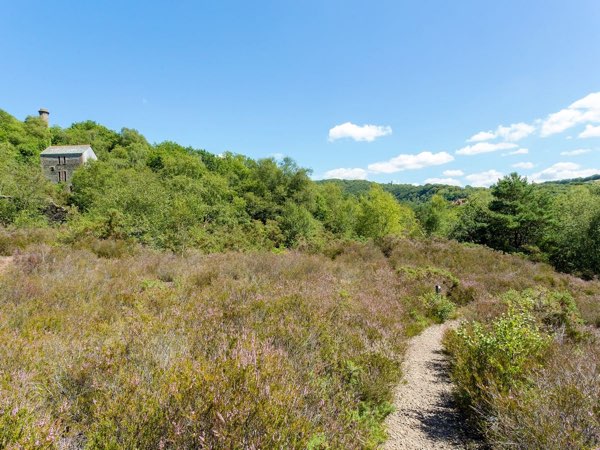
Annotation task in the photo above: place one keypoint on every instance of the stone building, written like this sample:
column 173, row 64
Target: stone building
column 60, row 161
column 44, row 113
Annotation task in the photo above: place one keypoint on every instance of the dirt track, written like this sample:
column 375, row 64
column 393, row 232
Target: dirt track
column 425, row 417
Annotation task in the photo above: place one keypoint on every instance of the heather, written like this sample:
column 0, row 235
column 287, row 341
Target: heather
column 173, row 298
column 221, row 351
column 109, row 345
column 527, row 374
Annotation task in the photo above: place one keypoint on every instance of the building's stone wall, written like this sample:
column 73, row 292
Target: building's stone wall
column 54, row 167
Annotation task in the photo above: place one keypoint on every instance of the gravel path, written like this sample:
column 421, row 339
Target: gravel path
column 425, row 417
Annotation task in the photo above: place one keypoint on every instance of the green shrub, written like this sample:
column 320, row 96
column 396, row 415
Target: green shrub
column 555, row 310
column 12, row 240
column 439, row 307
column 522, row 377
column 497, row 357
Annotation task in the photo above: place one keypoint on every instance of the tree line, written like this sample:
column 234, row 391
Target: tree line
column 173, row 197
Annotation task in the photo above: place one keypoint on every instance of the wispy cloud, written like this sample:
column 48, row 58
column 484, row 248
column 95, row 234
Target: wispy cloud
column 579, row 151
column 366, row 133
column 521, row 151
column 484, row 179
column 511, row 133
column 347, row 174
column 585, row 110
column 449, row 181
column 515, row 132
column 397, row 164
column 563, row 170
column 590, row 132
column 482, row 136
column 453, row 173
column 485, row 147
column 411, row 161
column 524, row 165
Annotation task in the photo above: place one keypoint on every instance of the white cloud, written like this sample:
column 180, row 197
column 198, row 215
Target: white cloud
column 524, row 165
column 347, row 174
column 521, row 151
column 408, row 162
column 453, row 173
column 359, row 133
column 579, row 151
column 482, row 136
column 485, row 147
column 590, row 131
column 515, row 132
column 449, row 181
column 511, row 133
column 484, row 179
column 590, row 101
column 560, row 121
column 563, row 170
column 584, row 110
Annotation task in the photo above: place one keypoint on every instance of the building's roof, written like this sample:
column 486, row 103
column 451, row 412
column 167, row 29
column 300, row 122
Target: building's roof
column 55, row 150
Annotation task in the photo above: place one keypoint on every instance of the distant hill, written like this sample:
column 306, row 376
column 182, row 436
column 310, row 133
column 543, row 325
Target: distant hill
column 408, row 193
column 419, row 194
column 593, row 178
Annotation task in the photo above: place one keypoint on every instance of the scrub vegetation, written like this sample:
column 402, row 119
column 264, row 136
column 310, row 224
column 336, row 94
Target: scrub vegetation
column 190, row 300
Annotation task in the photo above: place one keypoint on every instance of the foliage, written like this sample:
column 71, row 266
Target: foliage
column 560, row 409
column 439, row 307
column 172, row 197
column 547, row 222
column 177, row 198
column 572, row 241
column 380, row 215
column 492, row 358
column 113, row 343
column 508, row 377
column 217, row 351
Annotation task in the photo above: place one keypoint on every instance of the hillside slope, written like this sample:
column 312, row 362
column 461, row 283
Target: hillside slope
column 147, row 349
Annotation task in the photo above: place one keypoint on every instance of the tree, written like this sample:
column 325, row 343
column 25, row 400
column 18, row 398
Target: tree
column 473, row 224
column 519, row 214
column 379, row 215
column 437, row 216
column 571, row 239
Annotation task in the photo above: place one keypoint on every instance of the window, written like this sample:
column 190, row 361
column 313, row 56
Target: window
column 64, row 176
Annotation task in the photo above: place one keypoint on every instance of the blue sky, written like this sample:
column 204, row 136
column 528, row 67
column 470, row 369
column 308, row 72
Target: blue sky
column 383, row 90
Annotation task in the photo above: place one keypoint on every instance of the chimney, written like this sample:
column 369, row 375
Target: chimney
column 44, row 113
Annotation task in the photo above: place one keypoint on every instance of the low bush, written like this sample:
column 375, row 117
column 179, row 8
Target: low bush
column 559, row 410
column 528, row 378
column 12, row 240
column 497, row 357
column 157, row 350
column 439, row 307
